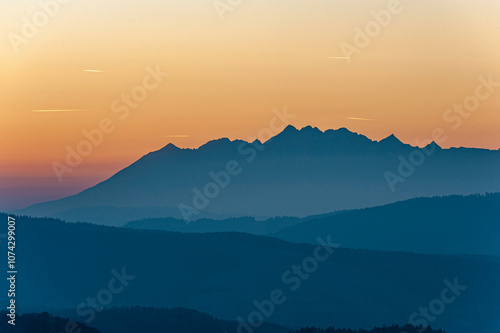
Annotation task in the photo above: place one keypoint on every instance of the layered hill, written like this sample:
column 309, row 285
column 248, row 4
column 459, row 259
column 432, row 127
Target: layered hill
column 438, row 225
column 227, row 274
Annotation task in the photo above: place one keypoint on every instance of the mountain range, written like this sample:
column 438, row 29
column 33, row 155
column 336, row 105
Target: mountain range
column 295, row 173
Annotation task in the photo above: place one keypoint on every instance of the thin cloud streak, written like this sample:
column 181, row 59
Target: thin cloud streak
column 93, row 71
column 356, row 118
column 60, row 110
column 341, row 58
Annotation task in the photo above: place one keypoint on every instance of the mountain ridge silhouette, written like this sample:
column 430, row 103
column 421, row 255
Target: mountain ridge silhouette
column 295, row 173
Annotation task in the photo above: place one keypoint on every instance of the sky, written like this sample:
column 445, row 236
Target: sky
column 65, row 70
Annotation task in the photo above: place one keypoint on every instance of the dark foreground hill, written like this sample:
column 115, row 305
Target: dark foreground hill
column 439, row 225
column 178, row 320
column 390, row 329
column 43, row 323
column 138, row 319
column 296, row 173
column 232, row 275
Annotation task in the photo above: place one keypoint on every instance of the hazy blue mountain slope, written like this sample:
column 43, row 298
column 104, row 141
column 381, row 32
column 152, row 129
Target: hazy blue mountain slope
column 454, row 224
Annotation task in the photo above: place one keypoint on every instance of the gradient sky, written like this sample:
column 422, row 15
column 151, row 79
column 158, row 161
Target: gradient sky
column 226, row 77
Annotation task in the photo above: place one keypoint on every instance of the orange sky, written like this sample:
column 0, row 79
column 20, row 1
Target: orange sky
column 226, row 77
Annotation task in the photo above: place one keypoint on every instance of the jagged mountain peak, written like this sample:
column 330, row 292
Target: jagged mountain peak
column 391, row 140
column 216, row 142
column 170, row 147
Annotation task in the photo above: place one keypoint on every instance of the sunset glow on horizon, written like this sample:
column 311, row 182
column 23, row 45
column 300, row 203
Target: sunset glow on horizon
column 93, row 61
